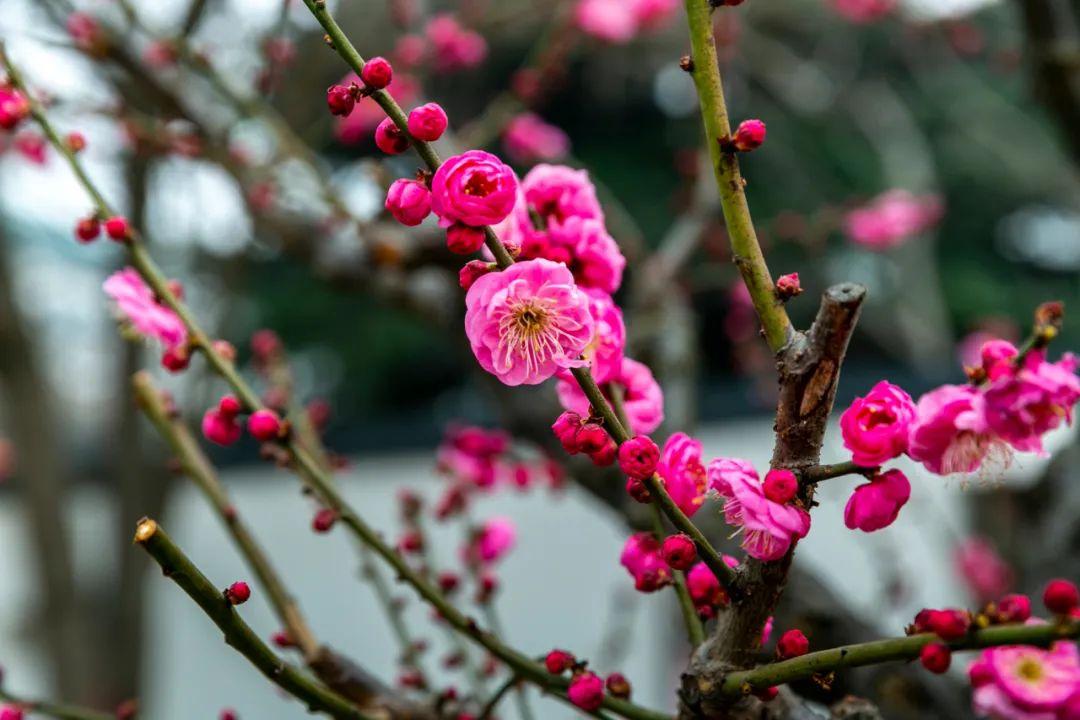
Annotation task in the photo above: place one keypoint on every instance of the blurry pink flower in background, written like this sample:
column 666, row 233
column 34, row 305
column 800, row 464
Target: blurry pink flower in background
column 529, row 139
column 863, row 11
column 1021, row 682
column 643, row 400
column 654, row 14
column 612, row 21
column 891, row 218
column 31, row 146
column 136, row 301
column 493, row 540
column 456, row 47
column 969, row 348
column 985, row 572
column 361, row 122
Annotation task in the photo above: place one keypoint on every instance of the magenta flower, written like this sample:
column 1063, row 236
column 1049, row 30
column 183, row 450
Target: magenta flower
column 595, row 257
column 605, row 350
column 527, row 322
column 642, row 559
column 950, row 433
column 612, row 21
column 1023, row 405
column 474, row 188
column 876, row 504
column 137, row 302
column 891, row 218
column 409, row 201
column 1021, row 682
column 529, row 139
column 875, row 428
column 456, row 47
column 557, row 192
column 681, row 471
column 493, row 540
column 653, row 14
column 643, row 399
column 769, row 528
column 984, row 571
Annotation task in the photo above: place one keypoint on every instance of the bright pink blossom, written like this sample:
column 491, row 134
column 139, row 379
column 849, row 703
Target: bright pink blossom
column 891, row 218
column 642, row 558
column 876, row 504
column 653, row 14
column 474, row 188
column 996, row 357
column 950, row 433
column 1022, row 406
column 605, row 350
column 493, row 540
column 527, row 322
column 586, row 691
column 612, row 21
column 596, row 259
column 682, row 472
column 14, row 107
column 557, row 192
column 427, row 122
column 529, row 139
column 455, row 47
column 409, row 201
column 643, row 400
column 1021, row 682
column 984, row 571
column 875, row 428
column 769, row 528
column 137, row 302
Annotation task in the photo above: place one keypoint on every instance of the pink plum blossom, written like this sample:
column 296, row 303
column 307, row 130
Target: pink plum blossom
column 891, row 218
column 1023, row 405
column 455, row 47
column 876, row 504
column 653, row 14
column 1021, row 682
column 769, row 528
column 474, row 188
column 875, row 427
column 529, row 139
column 493, row 540
column 950, row 433
column 528, row 321
column 642, row 559
column 984, row 571
column 605, row 351
column 643, row 400
column 137, row 302
column 557, row 192
column 682, row 472
column 612, row 21
column 595, row 257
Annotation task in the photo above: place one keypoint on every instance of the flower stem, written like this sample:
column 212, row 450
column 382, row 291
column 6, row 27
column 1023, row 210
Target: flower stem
column 695, row 632
column 58, row 711
column 891, row 649
column 745, row 249
column 817, row 473
column 238, row 634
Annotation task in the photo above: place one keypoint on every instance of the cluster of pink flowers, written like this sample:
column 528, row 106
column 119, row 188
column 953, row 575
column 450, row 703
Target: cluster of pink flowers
column 767, row 513
column 619, row 21
column 891, row 218
column 528, row 139
column 643, row 400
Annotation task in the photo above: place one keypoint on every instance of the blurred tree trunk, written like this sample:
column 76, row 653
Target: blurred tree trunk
column 42, row 479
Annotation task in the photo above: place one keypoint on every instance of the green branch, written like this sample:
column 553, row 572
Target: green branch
column 178, row 567
column 891, row 649
column 59, row 711
column 744, row 243
column 817, row 473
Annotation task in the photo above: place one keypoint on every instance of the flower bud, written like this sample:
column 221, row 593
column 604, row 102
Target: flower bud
column 787, row 286
column 427, row 122
column 282, row 639
column 223, row 348
column 638, row 457
column 464, row 239
column 780, row 485
column 472, row 271
column 948, row 624
column 767, row 694
column 411, row 542
column 87, row 230
column 377, row 73
column 678, row 551
column 617, row 685
column 935, row 657
column 264, row 425
column 340, row 100
column 409, row 201
column 1014, row 608
column 220, row 428
column 792, row 643
column 14, row 108
column 591, row 438
column 1061, row 597
column 229, row 406
column 605, row 455
column 566, row 428
column 411, row 678
column 75, row 141
column 238, row 593
column 390, row 139
column 228, row 714
column 448, row 582
column 323, row 520
column 749, row 135
column 636, row 489
column 586, row 691
column 486, row 588
column 118, row 228
column 176, row 359
column 558, row 661
column 11, row 712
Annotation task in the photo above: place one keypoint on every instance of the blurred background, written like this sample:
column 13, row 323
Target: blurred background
column 927, row 150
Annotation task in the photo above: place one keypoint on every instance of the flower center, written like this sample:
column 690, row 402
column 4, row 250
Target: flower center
column 529, row 333
column 478, row 184
column 1029, row 670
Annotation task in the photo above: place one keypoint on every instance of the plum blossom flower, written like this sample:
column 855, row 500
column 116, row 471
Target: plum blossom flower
column 137, row 302
column 682, row 473
column 605, row 350
column 365, row 117
column 653, row 14
column 863, row 12
column 984, row 571
column 612, row 21
column 705, row 590
column 1023, row 405
column 557, row 192
column 643, row 400
column 875, row 427
column 891, row 218
column 492, row 541
column 474, row 188
column 950, row 433
column 876, row 504
column 595, row 258
column 529, row 139
column 471, row 455
column 642, row 559
column 1021, row 682
column 527, row 322
column 455, row 47
column 769, row 528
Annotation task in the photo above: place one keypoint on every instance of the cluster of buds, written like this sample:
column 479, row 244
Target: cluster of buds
column 426, row 123
column 376, row 75
column 586, row 689
column 585, row 436
column 117, row 227
column 221, row 424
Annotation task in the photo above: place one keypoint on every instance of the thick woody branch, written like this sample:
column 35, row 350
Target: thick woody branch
column 238, row 634
column 745, row 248
column 891, row 650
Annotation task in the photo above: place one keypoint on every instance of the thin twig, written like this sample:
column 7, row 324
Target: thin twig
column 59, row 711
column 814, row 475
column 489, row 707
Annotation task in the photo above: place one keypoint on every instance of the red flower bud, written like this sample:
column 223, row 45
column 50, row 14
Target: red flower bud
column 340, row 100
column 617, row 685
column 390, row 139
column 749, row 135
column 605, row 455
column 264, row 425
column 87, row 230
column 948, row 624
column 282, row 639
column 118, row 228
column 678, row 551
column 586, row 691
column 636, row 489
column 638, row 457
column 591, row 438
column 558, row 661
column 229, row 406
column 935, row 657
column 767, row 694
column 377, row 73
column 566, row 428
column 427, row 122
column 175, row 359
column 792, row 644
column 324, row 519
column 1014, row 608
column 780, row 485
column 472, row 271
column 787, row 286
column 464, row 239
column 1061, row 597
column 238, row 593
column 75, row 141
column 448, row 582
column 228, row 714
